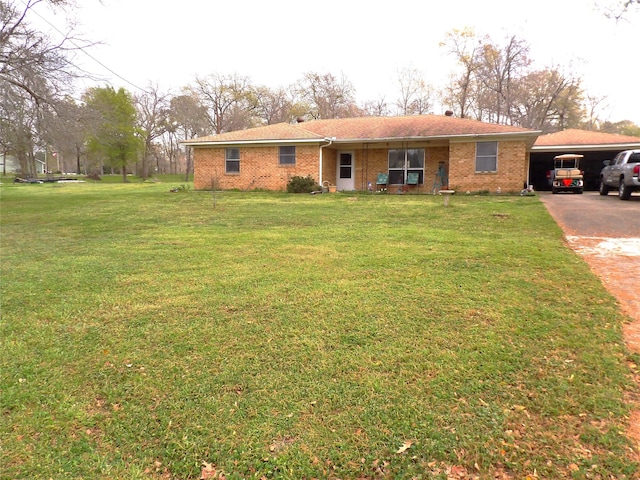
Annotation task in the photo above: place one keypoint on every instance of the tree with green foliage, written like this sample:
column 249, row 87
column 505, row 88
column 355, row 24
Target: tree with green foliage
column 115, row 137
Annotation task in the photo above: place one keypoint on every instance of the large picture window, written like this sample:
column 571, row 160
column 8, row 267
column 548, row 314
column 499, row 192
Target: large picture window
column 287, row 155
column 232, row 160
column 487, row 157
column 403, row 162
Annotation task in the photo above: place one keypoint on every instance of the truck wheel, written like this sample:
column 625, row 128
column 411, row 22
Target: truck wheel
column 604, row 190
column 624, row 192
column 554, row 190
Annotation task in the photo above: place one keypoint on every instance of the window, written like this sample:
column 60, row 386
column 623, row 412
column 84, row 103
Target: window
column 232, row 160
column 487, row 157
column 405, row 161
column 346, row 163
column 287, row 155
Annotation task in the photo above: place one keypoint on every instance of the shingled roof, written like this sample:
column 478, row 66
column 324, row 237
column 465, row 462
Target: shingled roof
column 366, row 129
column 585, row 138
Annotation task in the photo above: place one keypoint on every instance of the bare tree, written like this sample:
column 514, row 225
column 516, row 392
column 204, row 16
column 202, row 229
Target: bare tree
column 499, row 69
column 19, row 120
column 275, row 105
column 376, row 108
column 188, row 118
column 170, row 148
column 466, row 48
column 66, row 125
column 415, row 94
column 226, row 98
column 621, row 9
column 326, row 96
column 35, row 71
column 30, row 60
column 545, row 100
column 153, row 110
column 593, row 104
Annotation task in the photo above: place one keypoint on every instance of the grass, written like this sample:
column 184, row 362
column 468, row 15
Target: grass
column 148, row 334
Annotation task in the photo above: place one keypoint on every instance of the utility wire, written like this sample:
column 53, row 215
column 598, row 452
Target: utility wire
column 82, row 49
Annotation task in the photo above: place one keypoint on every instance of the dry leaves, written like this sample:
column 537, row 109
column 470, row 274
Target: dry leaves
column 405, row 446
column 209, row 471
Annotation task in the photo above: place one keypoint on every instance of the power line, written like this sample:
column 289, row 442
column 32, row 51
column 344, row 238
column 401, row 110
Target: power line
column 82, row 49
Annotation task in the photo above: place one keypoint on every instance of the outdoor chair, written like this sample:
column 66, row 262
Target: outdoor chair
column 382, row 181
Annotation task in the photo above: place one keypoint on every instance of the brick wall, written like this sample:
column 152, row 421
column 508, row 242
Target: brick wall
column 259, row 167
column 509, row 177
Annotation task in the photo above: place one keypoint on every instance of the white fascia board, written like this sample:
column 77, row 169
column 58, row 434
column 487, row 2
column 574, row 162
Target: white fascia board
column 459, row 137
column 253, row 142
column 493, row 136
column 584, row 148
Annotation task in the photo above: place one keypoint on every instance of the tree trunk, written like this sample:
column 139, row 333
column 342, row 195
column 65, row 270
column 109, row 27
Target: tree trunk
column 186, row 176
column 78, row 159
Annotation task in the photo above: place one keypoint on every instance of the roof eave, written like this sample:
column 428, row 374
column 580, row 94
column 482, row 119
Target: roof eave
column 226, row 143
column 455, row 137
column 585, row 148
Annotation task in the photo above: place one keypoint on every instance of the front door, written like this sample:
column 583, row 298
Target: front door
column 346, row 171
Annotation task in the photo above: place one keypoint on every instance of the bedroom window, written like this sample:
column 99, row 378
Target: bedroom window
column 232, row 160
column 487, row 157
column 287, row 155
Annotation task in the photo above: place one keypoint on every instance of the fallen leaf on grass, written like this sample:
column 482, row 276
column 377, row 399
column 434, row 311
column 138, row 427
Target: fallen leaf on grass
column 209, row 471
column 405, row 446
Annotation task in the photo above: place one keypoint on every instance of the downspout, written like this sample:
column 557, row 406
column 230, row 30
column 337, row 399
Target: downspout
column 330, row 140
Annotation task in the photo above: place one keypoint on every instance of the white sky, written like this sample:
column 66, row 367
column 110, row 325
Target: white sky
column 275, row 42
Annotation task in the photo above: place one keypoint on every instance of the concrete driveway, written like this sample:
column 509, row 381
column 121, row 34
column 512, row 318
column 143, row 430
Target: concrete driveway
column 591, row 214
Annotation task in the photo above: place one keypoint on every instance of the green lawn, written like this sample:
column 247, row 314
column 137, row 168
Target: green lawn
column 149, row 334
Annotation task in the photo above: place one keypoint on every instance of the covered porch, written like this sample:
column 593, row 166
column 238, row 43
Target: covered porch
column 394, row 167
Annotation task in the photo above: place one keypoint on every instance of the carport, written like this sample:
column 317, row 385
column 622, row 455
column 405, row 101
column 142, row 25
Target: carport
column 595, row 146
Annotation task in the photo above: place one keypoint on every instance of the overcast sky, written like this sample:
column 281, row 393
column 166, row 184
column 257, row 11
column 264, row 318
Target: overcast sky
column 275, row 42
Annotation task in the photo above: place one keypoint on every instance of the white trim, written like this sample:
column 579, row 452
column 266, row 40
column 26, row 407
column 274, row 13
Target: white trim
column 584, row 148
column 212, row 143
column 456, row 138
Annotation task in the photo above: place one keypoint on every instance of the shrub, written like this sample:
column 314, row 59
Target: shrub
column 299, row 184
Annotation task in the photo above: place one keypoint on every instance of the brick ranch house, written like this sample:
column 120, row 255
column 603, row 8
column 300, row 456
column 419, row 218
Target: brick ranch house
column 415, row 153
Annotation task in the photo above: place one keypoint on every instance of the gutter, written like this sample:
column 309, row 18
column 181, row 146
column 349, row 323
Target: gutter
column 330, row 140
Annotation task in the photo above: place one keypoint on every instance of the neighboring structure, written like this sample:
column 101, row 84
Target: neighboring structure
column 595, row 146
column 412, row 152
column 10, row 164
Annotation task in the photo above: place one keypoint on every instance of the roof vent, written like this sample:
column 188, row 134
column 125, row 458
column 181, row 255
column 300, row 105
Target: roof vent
column 449, row 113
column 300, row 119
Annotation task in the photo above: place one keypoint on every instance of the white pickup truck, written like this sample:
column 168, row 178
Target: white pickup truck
column 622, row 174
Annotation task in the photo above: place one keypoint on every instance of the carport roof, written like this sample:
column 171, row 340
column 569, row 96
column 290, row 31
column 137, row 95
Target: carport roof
column 581, row 140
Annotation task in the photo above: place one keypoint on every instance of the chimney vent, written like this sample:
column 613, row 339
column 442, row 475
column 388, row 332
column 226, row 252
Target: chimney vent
column 449, row 113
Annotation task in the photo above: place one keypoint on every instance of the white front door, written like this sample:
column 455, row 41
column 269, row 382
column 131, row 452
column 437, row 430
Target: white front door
column 346, row 171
